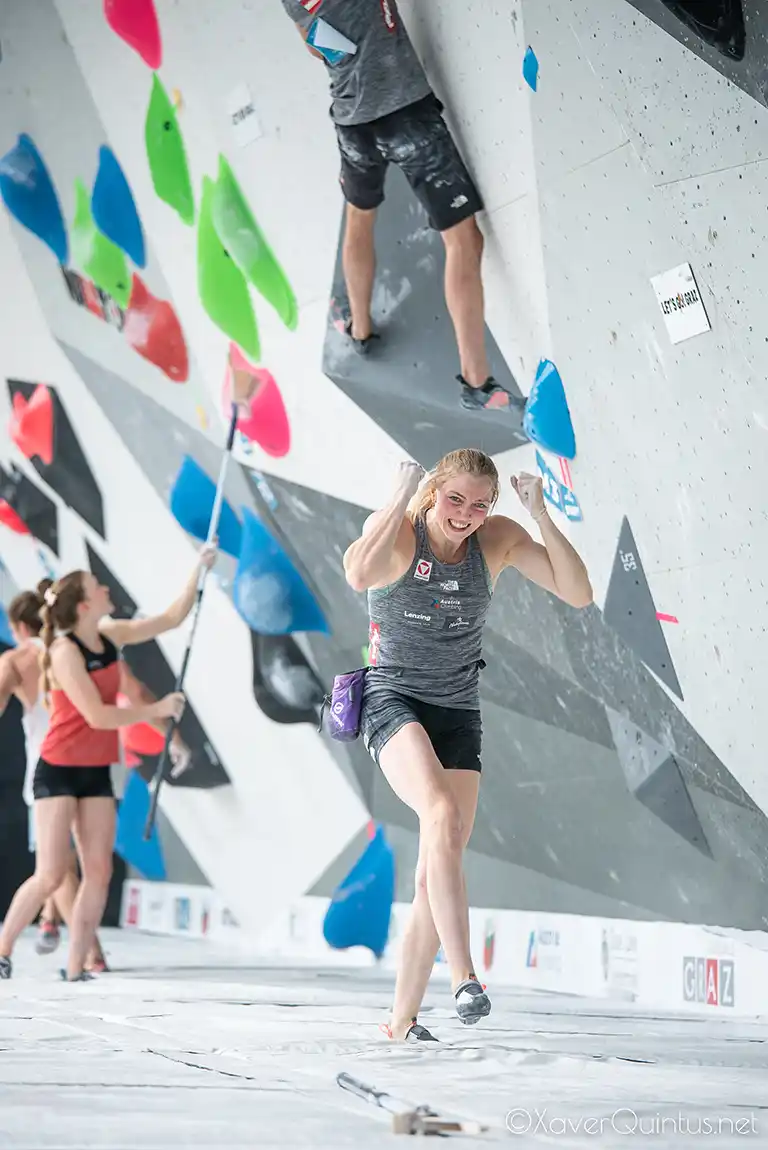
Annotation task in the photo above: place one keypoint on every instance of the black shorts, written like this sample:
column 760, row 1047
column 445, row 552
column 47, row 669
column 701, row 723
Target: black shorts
column 455, row 734
column 417, row 139
column 52, row 782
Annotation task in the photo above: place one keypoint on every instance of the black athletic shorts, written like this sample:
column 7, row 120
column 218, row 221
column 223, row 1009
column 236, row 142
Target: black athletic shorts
column 417, row 139
column 52, row 782
column 455, row 734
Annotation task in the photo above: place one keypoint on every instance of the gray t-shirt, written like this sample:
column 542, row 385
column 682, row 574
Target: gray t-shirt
column 385, row 73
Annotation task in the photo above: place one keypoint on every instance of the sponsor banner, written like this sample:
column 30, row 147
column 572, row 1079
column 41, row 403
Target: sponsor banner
column 619, row 960
column 711, row 981
column 173, row 909
column 674, row 966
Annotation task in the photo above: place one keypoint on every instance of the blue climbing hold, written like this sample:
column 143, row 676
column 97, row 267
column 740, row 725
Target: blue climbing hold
column 268, row 591
column 114, row 210
column 192, row 498
column 5, row 629
column 530, row 68
column 547, row 420
column 361, row 907
column 29, row 195
column 145, row 856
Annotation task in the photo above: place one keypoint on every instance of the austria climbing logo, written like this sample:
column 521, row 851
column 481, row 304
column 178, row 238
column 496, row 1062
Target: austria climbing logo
column 681, row 301
column 389, row 15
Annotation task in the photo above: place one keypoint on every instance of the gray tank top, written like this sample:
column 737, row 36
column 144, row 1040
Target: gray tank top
column 426, row 629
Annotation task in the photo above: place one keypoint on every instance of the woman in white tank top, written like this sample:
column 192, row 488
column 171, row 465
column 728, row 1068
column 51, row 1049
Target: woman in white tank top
column 20, row 676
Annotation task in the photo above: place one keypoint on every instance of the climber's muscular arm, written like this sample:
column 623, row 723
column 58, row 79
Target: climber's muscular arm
column 386, row 546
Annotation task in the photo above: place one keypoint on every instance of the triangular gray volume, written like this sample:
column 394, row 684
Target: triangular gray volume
column 315, row 530
column 630, row 610
column 639, row 754
column 666, row 796
column 610, row 670
column 39, row 513
column 156, row 439
column 407, row 384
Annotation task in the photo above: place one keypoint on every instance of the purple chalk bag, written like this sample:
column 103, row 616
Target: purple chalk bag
column 344, row 705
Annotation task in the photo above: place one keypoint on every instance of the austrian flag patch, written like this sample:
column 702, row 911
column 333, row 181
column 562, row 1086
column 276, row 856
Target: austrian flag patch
column 389, row 15
column 310, row 5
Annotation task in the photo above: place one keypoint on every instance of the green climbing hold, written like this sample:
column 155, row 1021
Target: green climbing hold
column 167, row 155
column 223, row 290
column 96, row 256
column 245, row 242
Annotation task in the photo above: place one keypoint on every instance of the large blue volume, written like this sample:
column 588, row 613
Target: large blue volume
column 114, row 209
column 361, row 907
column 268, row 591
column 29, row 195
column 547, row 420
column 192, row 498
column 145, row 856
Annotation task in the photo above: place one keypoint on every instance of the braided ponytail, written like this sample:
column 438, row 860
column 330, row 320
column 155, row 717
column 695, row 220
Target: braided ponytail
column 58, row 614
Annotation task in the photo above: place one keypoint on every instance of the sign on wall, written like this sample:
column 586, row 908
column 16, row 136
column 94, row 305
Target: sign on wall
column 242, row 115
column 680, row 302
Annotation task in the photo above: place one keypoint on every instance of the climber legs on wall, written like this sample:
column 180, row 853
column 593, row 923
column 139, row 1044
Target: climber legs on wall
column 385, row 112
column 418, row 141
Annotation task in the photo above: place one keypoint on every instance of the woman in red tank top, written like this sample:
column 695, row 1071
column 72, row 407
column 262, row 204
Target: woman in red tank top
column 72, row 787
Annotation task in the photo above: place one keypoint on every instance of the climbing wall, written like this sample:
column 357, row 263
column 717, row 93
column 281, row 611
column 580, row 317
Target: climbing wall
column 173, row 213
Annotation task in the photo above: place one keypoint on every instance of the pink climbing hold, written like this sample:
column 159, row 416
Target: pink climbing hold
column 135, row 21
column 31, row 425
column 267, row 423
column 153, row 330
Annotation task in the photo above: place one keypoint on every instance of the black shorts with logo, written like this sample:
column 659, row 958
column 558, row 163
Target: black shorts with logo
column 456, row 734
column 52, row 782
column 416, row 139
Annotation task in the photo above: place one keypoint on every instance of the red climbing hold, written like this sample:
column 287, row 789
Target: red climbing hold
column 135, row 21
column 9, row 518
column 153, row 330
column 31, row 425
column 267, row 424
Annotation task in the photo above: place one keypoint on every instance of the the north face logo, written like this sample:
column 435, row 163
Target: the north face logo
column 389, row 15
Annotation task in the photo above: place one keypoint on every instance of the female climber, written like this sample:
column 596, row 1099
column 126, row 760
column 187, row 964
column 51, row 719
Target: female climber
column 429, row 561
column 20, row 676
column 72, row 785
